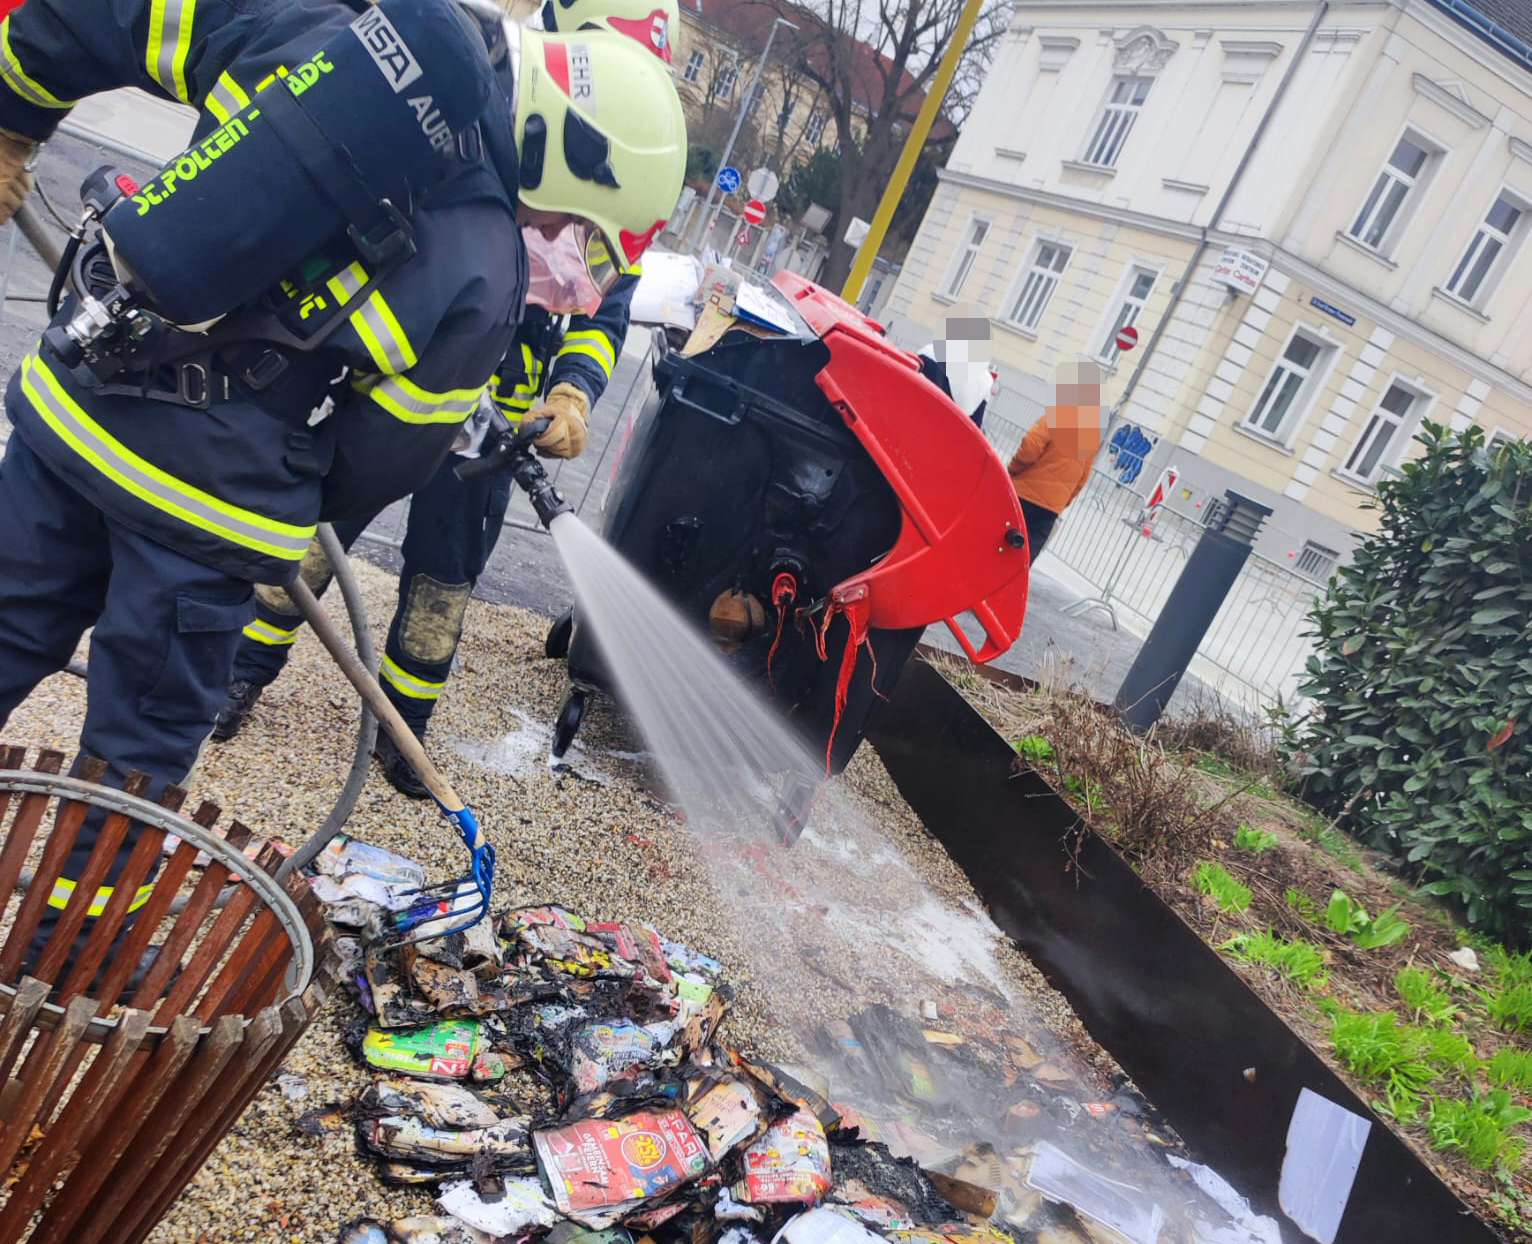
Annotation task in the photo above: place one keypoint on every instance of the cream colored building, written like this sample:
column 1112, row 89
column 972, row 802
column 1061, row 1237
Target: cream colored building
column 1374, row 157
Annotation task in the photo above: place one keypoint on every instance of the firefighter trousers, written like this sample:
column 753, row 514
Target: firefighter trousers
column 450, row 534
column 166, row 628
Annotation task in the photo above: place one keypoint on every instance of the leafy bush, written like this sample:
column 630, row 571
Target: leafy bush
column 1035, row 748
column 1214, row 879
column 1421, row 684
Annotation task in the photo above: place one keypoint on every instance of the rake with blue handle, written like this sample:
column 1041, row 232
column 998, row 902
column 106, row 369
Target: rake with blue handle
column 437, row 910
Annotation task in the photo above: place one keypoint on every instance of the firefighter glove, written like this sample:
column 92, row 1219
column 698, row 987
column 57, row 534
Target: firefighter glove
column 568, row 409
column 15, row 180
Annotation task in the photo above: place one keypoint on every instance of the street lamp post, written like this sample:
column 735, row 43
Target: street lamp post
column 739, row 121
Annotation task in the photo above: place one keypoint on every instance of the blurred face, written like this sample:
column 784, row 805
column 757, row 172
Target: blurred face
column 964, row 337
column 1075, row 418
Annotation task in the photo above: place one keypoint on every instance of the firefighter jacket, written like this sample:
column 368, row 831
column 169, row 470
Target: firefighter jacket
column 240, row 486
column 583, row 357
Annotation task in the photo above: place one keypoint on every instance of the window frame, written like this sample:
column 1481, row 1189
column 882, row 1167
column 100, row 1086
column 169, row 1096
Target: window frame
column 1322, row 553
column 1104, row 116
column 696, row 62
column 725, row 81
column 1404, row 214
column 823, row 118
column 1019, row 286
column 1511, row 243
column 964, row 256
column 1422, row 401
column 1308, row 391
column 1113, row 322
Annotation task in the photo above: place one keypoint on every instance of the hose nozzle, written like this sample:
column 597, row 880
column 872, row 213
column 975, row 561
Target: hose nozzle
column 510, row 449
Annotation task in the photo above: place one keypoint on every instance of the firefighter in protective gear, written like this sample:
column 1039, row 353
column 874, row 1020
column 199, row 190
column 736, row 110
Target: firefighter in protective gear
column 453, row 524
column 150, row 519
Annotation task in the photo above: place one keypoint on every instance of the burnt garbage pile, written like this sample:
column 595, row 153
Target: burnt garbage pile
column 553, row 1075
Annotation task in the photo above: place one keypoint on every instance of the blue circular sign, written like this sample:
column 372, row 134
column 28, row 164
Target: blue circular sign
column 728, row 179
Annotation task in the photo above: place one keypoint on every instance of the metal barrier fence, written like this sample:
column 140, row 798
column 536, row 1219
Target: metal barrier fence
column 1255, row 650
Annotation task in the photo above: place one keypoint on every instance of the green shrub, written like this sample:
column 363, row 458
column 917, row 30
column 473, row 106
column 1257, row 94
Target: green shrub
column 1035, row 748
column 1421, row 682
column 1214, row 879
column 1345, row 915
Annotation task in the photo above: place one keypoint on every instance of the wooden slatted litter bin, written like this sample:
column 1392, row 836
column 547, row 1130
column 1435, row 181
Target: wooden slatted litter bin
column 112, row 1095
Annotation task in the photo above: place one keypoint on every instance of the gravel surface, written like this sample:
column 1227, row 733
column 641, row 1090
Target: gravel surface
column 867, row 908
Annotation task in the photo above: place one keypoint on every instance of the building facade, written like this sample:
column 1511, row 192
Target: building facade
column 1314, row 214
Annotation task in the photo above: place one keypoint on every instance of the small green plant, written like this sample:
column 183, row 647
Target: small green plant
column 1509, row 1008
column 1477, row 1129
column 1035, row 748
column 1214, row 879
column 1256, row 840
column 1376, row 1048
column 1511, row 1069
column 1424, row 997
column 1301, row 903
column 1333, row 843
column 1345, row 915
column 1212, row 765
column 1508, row 969
column 1444, row 1049
column 1299, row 961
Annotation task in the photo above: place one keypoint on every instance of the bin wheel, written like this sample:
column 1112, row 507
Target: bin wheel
column 556, row 645
column 568, row 721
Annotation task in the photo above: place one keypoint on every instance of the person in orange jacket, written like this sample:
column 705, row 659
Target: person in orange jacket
column 1053, row 461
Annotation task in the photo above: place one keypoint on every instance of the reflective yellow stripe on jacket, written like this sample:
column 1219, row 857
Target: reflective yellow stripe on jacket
column 375, row 323
column 265, row 633
column 407, row 684
column 170, row 32
column 147, row 482
column 63, row 891
column 519, row 400
column 22, row 83
column 593, row 343
column 225, row 99
column 407, row 402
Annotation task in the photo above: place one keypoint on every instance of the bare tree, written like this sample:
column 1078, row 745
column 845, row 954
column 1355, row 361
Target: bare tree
column 873, row 61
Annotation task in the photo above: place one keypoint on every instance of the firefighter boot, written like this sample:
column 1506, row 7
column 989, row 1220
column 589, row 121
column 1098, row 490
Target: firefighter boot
column 399, row 772
column 231, row 717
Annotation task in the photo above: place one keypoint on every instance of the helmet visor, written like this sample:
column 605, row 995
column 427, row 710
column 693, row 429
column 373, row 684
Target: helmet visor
column 603, row 261
column 561, row 282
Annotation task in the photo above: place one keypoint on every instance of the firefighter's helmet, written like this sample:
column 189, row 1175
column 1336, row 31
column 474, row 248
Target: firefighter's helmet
column 653, row 23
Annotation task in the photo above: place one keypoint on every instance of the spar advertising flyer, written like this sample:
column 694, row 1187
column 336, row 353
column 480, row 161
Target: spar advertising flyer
column 600, row 1165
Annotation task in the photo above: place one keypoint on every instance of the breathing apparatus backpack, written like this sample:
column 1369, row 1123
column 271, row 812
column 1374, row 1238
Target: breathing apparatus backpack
column 337, row 151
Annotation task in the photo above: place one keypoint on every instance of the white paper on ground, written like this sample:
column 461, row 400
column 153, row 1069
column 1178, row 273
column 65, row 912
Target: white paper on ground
column 1324, row 1149
column 1122, row 1207
column 522, row 1205
column 824, row 1226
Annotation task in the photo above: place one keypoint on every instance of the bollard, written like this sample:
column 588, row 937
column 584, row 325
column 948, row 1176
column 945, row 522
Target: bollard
column 1189, row 611
column 113, row 1093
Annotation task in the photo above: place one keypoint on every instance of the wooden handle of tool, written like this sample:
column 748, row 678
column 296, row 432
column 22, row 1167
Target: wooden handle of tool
column 367, row 687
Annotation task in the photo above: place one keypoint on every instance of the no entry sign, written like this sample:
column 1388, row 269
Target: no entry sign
column 1127, row 337
column 755, row 212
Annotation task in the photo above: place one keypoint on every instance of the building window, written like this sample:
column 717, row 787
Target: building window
column 1038, row 286
column 1398, row 179
column 723, row 87
column 1117, row 118
column 1492, row 239
column 1274, row 412
column 1384, row 430
column 693, row 66
column 962, row 262
column 1315, row 561
column 1500, row 439
column 1140, row 282
column 815, row 128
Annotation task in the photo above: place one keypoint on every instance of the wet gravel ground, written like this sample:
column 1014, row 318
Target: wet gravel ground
column 866, row 908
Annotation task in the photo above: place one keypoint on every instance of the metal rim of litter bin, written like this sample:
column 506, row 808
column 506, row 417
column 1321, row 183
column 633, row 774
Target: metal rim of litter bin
column 282, row 906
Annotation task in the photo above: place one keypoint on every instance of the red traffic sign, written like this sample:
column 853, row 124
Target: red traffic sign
column 755, row 212
column 1127, row 337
